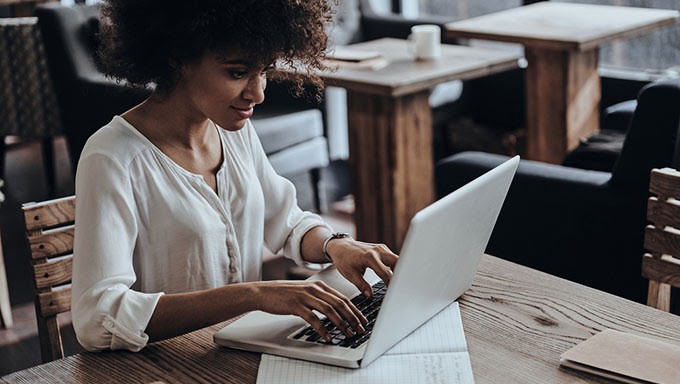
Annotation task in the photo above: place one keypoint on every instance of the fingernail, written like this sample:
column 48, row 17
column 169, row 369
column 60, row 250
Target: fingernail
column 327, row 337
column 367, row 292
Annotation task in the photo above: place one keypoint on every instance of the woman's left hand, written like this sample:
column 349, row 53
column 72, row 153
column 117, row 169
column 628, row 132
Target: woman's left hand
column 352, row 257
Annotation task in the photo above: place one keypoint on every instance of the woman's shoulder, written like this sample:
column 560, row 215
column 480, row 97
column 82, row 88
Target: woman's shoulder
column 117, row 140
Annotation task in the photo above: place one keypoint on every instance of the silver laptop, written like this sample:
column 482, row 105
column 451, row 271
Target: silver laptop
column 437, row 263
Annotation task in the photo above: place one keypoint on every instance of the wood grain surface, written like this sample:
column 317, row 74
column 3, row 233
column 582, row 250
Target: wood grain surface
column 406, row 75
column 562, row 94
column 517, row 322
column 662, row 237
column 391, row 156
column 562, row 26
column 49, row 231
column 51, row 213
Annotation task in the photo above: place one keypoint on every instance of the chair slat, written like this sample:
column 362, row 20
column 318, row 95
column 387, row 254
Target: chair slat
column 52, row 303
column 665, row 270
column 662, row 242
column 663, row 213
column 662, row 265
column 53, row 243
column 53, row 273
column 50, row 214
column 659, row 296
column 665, row 182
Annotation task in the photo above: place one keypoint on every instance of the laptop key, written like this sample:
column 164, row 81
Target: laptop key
column 314, row 337
column 299, row 335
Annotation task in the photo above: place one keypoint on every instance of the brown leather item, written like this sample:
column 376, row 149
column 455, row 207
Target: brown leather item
column 625, row 357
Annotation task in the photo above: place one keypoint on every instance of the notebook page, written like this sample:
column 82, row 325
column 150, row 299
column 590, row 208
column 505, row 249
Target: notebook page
column 442, row 333
column 434, row 353
column 431, row 368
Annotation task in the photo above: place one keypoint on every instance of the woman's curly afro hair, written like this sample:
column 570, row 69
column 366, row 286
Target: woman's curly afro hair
column 148, row 41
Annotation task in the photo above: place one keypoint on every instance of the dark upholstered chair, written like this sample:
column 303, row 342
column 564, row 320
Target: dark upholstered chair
column 586, row 226
column 291, row 131
column 600, row 151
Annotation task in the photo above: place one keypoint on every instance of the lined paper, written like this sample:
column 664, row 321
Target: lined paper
column 442, row 333
column 434, row 353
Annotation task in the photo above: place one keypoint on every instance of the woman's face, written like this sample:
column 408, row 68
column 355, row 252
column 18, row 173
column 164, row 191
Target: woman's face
column 223, row 89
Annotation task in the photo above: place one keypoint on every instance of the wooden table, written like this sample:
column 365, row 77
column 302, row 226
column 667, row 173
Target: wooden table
column 390, row 130
column 561, row 43
column 517, row 322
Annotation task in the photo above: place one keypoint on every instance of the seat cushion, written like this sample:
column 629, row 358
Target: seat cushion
column 304, row 157
column 278, row 131
column 599, row 152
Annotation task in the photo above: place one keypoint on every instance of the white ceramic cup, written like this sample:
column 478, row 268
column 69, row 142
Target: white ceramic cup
column 426, row 41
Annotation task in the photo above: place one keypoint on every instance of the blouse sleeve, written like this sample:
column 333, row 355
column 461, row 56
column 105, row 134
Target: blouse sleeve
column 107, row 314
column 285, row 222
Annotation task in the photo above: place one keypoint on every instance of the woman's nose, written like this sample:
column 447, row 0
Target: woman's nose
column 254, row 91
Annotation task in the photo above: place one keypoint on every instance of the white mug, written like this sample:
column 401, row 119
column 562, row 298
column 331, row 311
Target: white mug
column 426, row 41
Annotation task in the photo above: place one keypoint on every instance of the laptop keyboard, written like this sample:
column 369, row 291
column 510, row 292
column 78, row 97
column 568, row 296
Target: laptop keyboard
column 369, row 306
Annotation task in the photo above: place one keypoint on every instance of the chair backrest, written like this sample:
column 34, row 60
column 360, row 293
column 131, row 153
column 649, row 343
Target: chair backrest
column 49, row 230
column 652, row 136
column 662, row 237
column 87, row 98
column 28, row 103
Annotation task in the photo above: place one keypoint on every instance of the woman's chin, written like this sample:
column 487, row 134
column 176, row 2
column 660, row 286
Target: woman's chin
column 234, row 125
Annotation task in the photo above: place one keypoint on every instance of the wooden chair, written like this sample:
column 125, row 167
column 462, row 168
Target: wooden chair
column 5, row 308
column 49, row 230
column 662, row 237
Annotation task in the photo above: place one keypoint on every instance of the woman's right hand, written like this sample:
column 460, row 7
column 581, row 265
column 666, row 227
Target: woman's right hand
column 299, row 298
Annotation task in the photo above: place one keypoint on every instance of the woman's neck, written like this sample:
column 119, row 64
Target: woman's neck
column 168, row 120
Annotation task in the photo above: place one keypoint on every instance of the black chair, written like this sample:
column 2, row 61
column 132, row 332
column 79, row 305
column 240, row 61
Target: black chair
column 291, row 131
column 600, row 151
column 583, row 225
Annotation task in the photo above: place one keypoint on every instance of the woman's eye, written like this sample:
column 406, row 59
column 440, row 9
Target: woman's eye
column 238, row 74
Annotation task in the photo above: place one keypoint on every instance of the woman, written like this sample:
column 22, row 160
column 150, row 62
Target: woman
column 175, row 197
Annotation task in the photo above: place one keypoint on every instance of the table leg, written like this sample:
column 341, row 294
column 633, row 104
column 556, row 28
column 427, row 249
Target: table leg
column 563, row 96
column 392, row 163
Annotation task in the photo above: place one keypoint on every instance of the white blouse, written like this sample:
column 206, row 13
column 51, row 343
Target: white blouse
column 146, row 226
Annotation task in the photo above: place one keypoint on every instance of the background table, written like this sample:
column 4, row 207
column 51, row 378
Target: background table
column 390, row 130
column 517, row 322
column 561, row 43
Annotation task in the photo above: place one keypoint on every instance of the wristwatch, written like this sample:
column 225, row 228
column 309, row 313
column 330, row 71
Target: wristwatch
column 333, row 236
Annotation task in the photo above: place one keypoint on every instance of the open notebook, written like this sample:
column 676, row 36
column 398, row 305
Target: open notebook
column 434, row 353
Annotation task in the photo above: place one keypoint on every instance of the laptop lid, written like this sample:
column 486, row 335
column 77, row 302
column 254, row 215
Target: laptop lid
column 439, row 256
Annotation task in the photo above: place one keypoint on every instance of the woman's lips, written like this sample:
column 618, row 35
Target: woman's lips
column 244, row 113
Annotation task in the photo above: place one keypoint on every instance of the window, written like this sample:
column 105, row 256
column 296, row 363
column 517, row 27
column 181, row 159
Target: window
column 464, row 9
column 655, row 52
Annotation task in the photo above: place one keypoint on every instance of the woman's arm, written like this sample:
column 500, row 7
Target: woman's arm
column 351, row 257
column 180, row 313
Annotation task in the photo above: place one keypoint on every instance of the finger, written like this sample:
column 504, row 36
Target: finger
column 349, row 311
column 358, row 280
column 330, row 303
column 322, row 305
column 341, row 305
column 383, row 271
column 309, row 316
column 388, row 257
